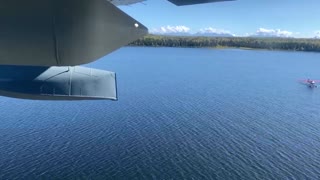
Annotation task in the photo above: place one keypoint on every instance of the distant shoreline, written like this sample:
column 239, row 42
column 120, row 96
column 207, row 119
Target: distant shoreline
column 246, row 43
column 243, row 48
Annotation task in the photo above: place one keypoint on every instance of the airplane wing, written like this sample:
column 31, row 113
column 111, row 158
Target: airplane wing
column 62, row 33
column 176, row 2
column 191, row 2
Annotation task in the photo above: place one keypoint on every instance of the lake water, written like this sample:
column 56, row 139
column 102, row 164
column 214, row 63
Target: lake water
column 182, row 114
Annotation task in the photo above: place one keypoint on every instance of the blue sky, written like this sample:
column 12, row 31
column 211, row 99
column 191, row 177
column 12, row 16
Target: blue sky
column 297, row 18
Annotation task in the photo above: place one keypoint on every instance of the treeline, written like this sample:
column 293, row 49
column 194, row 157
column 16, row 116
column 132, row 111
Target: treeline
column 292, row 44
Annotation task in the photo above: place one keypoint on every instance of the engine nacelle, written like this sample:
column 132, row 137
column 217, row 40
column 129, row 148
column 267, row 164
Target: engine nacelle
column 57, row 83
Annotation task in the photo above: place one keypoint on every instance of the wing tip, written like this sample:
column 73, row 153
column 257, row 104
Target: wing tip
column 193, row 2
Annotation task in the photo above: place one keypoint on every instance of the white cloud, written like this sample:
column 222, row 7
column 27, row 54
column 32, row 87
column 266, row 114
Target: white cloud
column 211, row 31
column 171, row 30
column 262, row 32
column 317, row 34
column 214, row 32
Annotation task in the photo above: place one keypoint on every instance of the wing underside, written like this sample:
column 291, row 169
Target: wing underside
column 63, row 32
column 66, row 32
column 191, row 2
column 40, row 39
column 176, row 2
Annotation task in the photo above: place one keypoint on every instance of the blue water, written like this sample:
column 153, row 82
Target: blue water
column 181, row 114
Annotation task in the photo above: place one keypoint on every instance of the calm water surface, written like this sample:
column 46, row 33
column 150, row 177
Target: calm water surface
column 181, row 114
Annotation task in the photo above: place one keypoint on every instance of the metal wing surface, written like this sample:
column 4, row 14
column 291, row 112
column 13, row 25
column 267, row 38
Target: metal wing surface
column 191, row 2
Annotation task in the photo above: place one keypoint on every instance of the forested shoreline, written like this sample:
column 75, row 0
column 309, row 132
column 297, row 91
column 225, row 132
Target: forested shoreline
column 291, row 44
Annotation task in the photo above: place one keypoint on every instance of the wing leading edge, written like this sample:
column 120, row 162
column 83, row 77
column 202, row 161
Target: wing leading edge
column 191, row 2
